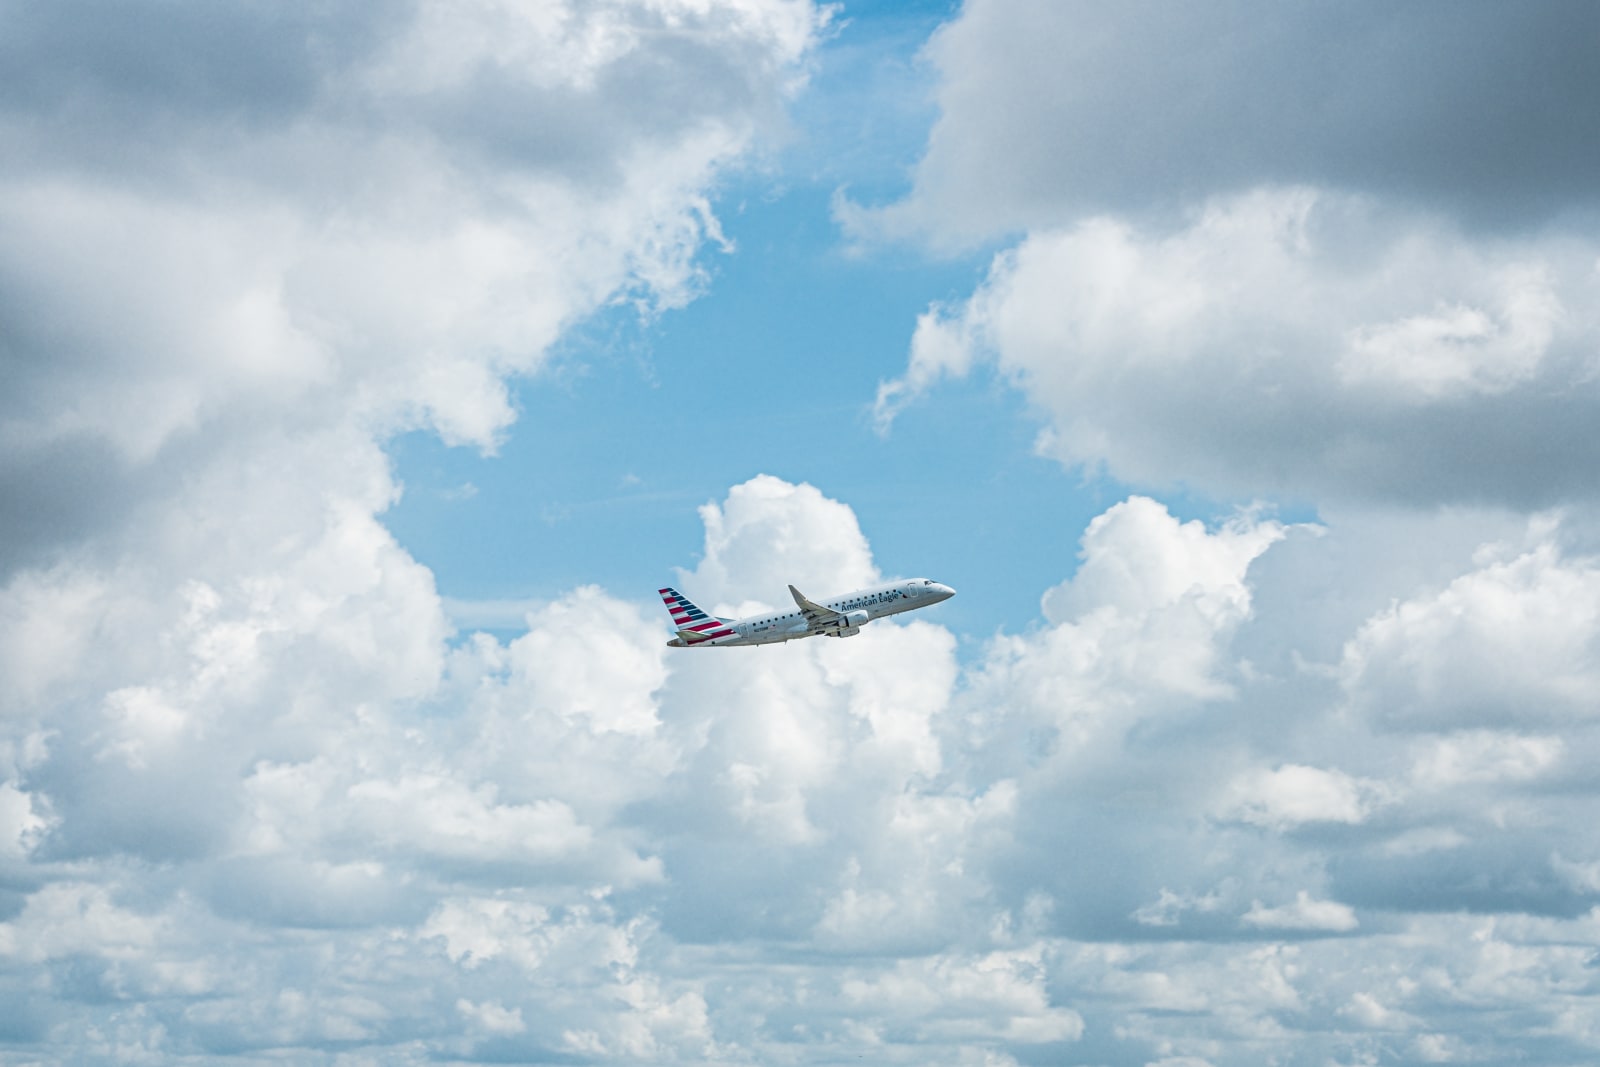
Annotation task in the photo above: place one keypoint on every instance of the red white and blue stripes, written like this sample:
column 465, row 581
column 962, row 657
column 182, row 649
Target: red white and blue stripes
column 693, row 624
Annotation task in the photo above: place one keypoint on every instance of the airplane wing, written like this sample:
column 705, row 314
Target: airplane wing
column 816, row 615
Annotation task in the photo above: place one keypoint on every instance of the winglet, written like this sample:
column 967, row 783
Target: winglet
column 805, row 605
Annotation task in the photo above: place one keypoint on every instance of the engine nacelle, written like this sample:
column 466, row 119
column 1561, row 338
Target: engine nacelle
column 850, row 623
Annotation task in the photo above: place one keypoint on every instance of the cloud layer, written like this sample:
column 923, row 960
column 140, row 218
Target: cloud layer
column 566, row 844
column 1049, row 114
column 1244, row 791
column 1343, row 259
column 1330, row 256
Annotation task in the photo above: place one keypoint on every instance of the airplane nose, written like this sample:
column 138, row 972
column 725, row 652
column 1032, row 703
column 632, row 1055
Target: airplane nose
column 944, row 591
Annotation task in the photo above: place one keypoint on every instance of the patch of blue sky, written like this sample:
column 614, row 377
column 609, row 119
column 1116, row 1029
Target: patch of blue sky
column 864, row 117
column 772, row 370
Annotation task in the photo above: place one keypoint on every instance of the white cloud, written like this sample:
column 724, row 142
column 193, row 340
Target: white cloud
column 998, row 996
column 1515, row 640
column 1142, row 627
column 582, row 961
column 899, row 706
column 1295, row 341
column 847, row 847
column 239, row 673
column 67, row 918
column 1168, row 907
column 476, row 931
column 22, row 823
column 47, row 619
column 257, row 800
column 1303, row 913
column 1137, row 559
column 1294, row 795
column 433, row 814
column 377, row 247
column 1369, row 1012
column 769, row 534
column 1242, row 988
column 909, row 885
column 1459, row 350
column 1483, row 756
column 1203, row 292
column 593, row 656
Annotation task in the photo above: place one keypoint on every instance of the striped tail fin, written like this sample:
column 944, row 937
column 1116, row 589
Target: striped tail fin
column 691, row 623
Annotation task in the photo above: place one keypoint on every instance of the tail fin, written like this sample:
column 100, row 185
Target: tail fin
column 691, row 623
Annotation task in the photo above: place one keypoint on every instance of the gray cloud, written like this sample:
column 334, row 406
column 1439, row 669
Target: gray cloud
column 57, row 496
column 151, row 62
column 1321, row 252
column 210, row 209
column 1486, row 111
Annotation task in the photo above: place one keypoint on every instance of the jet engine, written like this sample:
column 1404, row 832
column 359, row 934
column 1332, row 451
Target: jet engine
column 851, row 623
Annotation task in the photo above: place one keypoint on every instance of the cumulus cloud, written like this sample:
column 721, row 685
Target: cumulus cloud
column 771, row 532
column 1137, row 559
column 1291, row 341
column 258, row 800
column 1297, row 263
column 855, row 846
column 1234, row 271
column 65, row 919
column 253, row 247
column 556, row 665
column 498, row 812
column 374, row 218
column 228, row 280
column 1516, row 640
column 996, row 996
column 1484, row 756
column 1141, row 626
column 1293, row 795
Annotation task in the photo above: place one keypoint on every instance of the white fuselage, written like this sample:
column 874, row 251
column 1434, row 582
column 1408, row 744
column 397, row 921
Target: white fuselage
column 853, row 610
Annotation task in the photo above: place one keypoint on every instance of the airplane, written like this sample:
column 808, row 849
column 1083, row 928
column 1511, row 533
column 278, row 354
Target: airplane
column 840, row 616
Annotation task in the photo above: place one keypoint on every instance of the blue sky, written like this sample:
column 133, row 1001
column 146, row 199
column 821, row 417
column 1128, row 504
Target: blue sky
column 773, row 371
column 366, row 371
